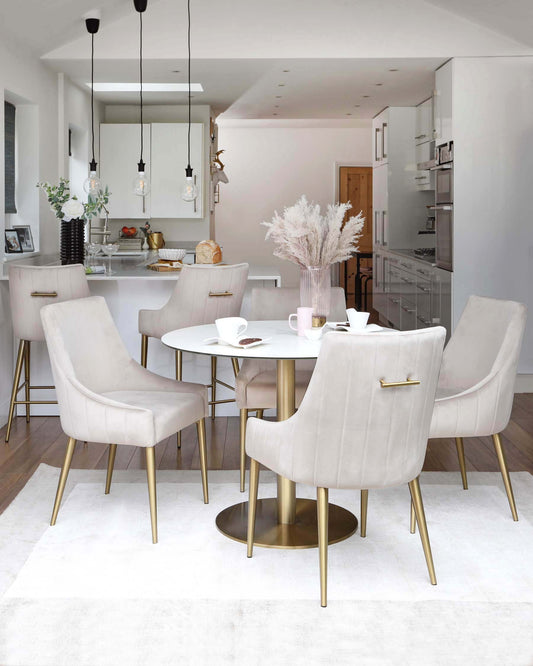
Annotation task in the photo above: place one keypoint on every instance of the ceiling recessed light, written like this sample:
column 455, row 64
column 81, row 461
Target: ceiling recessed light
column 278, row 96
column 379, row 84
column 281, row 85
column 176, row 71
column 394, row 70
column 348, row 114
column 276, row 106
column 147, row 87
column 286, row 70
column 357, row 106
column 366, row 96
column 274, row 114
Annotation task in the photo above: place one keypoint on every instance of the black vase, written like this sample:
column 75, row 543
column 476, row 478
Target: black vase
column 72, row 246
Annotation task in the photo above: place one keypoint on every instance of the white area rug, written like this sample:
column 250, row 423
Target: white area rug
column 94, row 591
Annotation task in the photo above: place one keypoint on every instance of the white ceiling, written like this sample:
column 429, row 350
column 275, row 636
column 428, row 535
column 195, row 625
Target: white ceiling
column 336, row 51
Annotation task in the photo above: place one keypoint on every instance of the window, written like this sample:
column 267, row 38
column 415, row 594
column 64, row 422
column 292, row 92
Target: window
column 9, row 156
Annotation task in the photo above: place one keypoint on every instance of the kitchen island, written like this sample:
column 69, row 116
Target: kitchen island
column 131, row 288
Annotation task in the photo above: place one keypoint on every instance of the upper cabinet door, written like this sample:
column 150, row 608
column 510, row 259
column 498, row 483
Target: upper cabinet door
column 424, row 122
column 443, row 104
column 119, row 155
column 169, row 159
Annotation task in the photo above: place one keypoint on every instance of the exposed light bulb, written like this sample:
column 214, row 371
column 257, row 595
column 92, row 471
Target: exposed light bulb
column 189, row 191
column 92, row 184
column 141, row 184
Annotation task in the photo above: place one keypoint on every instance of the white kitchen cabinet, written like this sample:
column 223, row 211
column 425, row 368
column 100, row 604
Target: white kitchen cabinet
column 399, row 208
column 443, row 100
column 380, row 133
column 119, row 155
column 424, row 122
column 169, row 159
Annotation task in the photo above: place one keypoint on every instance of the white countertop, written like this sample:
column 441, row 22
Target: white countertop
column 133, row 268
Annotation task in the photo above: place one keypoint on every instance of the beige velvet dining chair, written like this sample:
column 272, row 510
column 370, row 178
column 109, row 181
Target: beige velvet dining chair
column 476, row 385
column 105, row 396
column 255, row 387
column 363, row 423
column 31, row 287
column 202, row 294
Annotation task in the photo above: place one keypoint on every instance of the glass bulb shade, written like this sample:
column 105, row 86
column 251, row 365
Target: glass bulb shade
column 141, row 184
column 189, row 191
column 92, row 184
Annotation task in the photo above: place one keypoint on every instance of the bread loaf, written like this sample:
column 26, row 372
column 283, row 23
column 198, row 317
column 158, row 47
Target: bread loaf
column 208, row 252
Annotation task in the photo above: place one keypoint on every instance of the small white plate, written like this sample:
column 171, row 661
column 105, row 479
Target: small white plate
column 210, row 341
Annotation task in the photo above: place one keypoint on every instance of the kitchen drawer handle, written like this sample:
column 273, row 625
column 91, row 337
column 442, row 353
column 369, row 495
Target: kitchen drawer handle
column 407, row 382
column 419, row 270
column 394, row 300
column 408, row 310
column 405, row 265
column 424, row 321
column 424, row 289
column 420, row 136
column 44, row 294
column 220, row 293
column 407, row 280
column 421, row 178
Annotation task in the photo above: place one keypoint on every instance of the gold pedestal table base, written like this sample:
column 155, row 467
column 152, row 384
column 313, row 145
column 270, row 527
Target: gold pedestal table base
column 269, row 533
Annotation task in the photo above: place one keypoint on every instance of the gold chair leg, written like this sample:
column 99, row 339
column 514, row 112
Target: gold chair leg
column 322, row 517
column 462, row 463
column 252, row 506
column 242, row 433
column 150, row 473
column 27, row 378
column 179, row 371
column 416, row 498
column 144, row 350
column 200, row 429
column 505, row 474
column 63, row 478
column 364, row 509
column 213, row 385
column 412, row 521
column 110, row 466
column 235, row 364
column 16, row 381
column 259, row 413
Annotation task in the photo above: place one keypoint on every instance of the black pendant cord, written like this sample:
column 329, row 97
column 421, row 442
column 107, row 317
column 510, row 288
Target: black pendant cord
column 189, row 79
column 141, row 81
column 92, row 96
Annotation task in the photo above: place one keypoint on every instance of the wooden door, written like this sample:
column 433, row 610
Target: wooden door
column 355, row 186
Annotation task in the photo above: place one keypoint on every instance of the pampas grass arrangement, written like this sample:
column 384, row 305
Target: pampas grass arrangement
column 306, row 237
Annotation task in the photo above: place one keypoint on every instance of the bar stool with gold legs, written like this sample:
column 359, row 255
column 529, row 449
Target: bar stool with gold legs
column 256, row 383
column 202, row 294
column 31, row 287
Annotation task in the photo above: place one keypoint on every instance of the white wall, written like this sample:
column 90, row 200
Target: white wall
column 173, row 230
column 493, row 226
column 270, row 168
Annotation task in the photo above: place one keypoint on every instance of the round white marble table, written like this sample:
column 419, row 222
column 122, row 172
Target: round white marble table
column 285, row 521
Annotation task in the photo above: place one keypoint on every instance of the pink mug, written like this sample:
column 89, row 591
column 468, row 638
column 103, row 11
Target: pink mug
column 304, row 318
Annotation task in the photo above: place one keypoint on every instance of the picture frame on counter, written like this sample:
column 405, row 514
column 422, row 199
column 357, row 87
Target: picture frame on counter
column 12, row 242
column 26, row 238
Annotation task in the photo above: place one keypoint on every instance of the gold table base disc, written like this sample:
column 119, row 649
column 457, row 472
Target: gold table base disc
column 233, row 523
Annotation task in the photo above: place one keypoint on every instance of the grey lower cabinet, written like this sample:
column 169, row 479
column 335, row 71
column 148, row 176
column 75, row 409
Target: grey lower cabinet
column 410, row 294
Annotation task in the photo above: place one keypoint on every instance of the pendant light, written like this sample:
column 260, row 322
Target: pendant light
column 141, row 184
column 92, row 184
column 189, row 191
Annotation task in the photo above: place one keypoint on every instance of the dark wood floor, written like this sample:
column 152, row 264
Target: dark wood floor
column 43, row 441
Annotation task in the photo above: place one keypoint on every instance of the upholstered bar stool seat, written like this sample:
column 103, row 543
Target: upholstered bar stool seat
column 31, row 287
column 202, row 294
column 105, row 396
column 255, row 387
column 363, row 423
column 476, row 385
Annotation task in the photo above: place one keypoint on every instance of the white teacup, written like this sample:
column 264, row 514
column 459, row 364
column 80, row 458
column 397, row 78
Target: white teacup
column 230, row 328
column 358, row 320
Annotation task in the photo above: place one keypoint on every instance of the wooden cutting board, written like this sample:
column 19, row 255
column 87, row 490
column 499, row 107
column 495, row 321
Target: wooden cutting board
column 163, row 266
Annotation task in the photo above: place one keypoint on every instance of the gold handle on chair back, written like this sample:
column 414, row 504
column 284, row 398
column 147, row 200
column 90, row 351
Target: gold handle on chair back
column 407, row 382
column 44, row 294
column 220, row 293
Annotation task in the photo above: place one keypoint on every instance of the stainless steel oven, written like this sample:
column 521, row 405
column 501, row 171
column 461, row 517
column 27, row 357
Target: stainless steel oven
column 444, row 236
